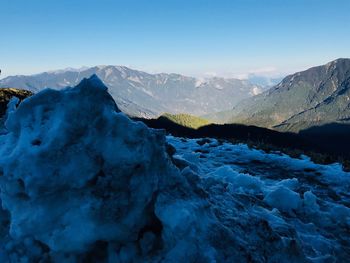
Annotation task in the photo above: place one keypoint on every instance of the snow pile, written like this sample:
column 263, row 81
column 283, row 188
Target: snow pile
column 80, row 181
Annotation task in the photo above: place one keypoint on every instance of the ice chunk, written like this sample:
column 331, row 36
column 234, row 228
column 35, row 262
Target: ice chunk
column 283, row 199
column 310, row 202
column 238, row 182
column 341, row 214
column 289, row 183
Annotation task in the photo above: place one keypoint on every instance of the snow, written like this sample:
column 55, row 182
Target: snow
column 310, row 202
column 304, row 205
column 283, row 199
column 79, row 181
column 241, row 183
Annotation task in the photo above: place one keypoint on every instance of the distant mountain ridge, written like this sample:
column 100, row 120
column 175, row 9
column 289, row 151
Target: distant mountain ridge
column 142, row 94
column 313, row 97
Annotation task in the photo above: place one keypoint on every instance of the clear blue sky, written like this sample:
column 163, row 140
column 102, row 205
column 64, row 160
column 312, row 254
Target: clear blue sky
column 193, row 37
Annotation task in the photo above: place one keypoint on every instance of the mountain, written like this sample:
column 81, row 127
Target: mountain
column 316, row 96
column 141, row 94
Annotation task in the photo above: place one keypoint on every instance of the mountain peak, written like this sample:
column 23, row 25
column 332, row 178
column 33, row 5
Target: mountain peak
column 340, row 64
column 340, row 60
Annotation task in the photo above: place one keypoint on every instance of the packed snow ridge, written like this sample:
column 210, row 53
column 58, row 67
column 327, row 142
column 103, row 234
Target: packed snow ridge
column 81, row 182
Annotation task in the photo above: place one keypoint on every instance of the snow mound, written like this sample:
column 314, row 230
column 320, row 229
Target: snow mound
column 280, row 209
column 283, row 199
column 80, row 181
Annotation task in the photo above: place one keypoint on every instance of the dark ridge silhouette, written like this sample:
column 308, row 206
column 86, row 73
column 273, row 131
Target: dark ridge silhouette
column 230, row 131
column 332, row 140
column 332, row 137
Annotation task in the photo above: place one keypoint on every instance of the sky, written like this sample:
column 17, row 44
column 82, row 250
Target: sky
column 230, row 38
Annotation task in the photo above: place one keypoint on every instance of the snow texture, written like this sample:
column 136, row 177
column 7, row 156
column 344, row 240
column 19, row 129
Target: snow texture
column 80, row 182
column 280, row 209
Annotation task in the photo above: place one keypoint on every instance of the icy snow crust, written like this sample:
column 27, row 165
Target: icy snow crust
column 277, row 207
column 80, row 182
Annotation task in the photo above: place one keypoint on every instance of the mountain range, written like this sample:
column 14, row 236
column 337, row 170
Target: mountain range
column 313, row 97
column 142, row 94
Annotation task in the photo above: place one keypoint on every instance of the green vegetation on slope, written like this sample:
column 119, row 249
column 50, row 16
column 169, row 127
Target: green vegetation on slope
column 186, row 120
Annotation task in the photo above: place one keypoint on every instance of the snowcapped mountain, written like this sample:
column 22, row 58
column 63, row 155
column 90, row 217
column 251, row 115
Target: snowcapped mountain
column 81, row 182
column 141, row 94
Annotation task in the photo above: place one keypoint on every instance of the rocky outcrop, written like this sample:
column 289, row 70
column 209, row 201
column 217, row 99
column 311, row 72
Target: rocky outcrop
column 7, row 93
